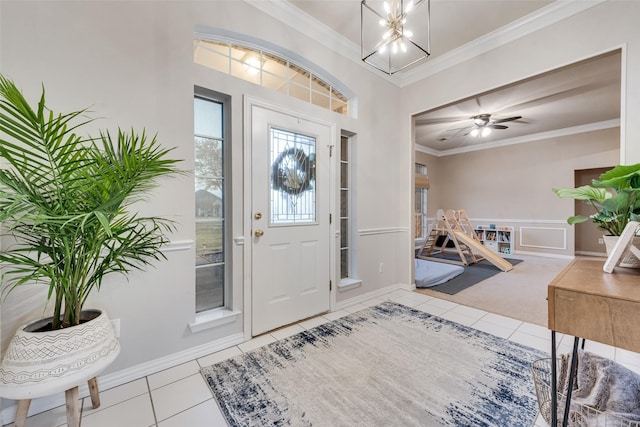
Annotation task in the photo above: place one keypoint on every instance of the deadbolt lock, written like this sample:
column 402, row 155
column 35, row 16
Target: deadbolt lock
column 258, row 215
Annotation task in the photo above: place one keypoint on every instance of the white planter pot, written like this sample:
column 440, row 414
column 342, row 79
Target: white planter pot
column 629, row 260
column 37, row 364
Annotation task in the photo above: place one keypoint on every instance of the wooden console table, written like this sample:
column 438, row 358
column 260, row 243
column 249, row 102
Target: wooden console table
column 588, row 303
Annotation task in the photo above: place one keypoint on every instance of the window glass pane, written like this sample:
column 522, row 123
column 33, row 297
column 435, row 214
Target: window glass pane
column 344, row 263
column 209, row 204
column 299, row 92
column 207, row 118
column 274, row 65
column 299, row 75
column 209, row 287
column 221, row 48
column 344, row 233
column 344, row 203
column 270, row 71
column 245, row 71
column 320, row 86
column 274, row 82
column 339, row 107
column 344, row 175
column 293, row 173
column 240, row 53
column 344, row 149
column 320, row 100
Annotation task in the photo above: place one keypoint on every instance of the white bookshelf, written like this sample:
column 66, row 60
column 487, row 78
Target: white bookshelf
column 499, row 239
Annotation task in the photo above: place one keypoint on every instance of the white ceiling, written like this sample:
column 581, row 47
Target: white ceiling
column 453, row 22
column 578, row 97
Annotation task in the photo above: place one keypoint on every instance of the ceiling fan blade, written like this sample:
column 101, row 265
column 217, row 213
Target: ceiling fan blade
column 497, row 126
column 508, row 119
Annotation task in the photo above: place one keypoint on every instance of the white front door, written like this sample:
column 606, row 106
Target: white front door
column 290, row 207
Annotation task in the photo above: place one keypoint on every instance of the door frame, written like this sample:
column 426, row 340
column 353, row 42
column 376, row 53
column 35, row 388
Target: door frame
column 248, row 103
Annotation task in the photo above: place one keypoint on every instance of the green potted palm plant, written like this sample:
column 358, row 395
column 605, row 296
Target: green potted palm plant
column 615, row 197
column 66, row 210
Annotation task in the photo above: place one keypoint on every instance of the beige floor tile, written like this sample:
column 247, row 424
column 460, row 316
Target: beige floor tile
column 334, row 315
column 179, row 396
column 355, row 308
column 136, row 412
column 205, row 414
column 219, row 356
column 170, row 375
column 257, row 342
column 493, row 329
column 116, row 395
column 287, row 332
column 313, row 322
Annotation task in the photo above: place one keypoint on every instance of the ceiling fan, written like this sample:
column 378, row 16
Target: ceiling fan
column 484, row 124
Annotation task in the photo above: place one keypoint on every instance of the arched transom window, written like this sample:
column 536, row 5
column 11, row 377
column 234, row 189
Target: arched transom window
column 269, row 70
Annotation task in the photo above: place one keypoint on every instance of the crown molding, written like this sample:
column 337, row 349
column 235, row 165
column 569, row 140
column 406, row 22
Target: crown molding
column 293, row 17
column 288, row 14
column 557, row 133
column 543, row 17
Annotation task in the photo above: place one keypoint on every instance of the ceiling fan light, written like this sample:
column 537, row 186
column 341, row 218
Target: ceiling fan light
column 474, row 132
column 486, row 132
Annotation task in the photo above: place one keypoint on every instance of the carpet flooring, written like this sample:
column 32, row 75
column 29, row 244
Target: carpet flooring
column 520, row 293
column 472, row 274
column 388, row 365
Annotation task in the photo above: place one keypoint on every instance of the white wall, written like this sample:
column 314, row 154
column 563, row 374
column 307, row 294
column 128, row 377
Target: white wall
column 131, row 63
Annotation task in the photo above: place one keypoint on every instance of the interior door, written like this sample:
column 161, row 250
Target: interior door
column 290, row 249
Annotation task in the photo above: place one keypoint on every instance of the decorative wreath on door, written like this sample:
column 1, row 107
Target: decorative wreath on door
column 292, row 172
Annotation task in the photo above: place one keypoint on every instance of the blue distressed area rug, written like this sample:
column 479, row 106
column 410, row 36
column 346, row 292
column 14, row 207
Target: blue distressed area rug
column 389, row 365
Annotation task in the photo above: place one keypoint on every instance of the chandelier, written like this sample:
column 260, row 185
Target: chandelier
column 386, row 42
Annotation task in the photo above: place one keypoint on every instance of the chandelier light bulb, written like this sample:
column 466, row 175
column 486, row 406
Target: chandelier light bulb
column 486, row 132
column 409, row 7
column 386, row 35
column 386, row 6
column 383, row 48
column 403, row 47
column 394, row 47
column 382, row 22
column 408, row 33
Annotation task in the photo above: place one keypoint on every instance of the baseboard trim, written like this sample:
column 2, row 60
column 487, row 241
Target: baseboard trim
column 115, row 379
column 542, row 254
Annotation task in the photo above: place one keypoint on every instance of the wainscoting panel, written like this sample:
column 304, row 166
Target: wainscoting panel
column 543, row 237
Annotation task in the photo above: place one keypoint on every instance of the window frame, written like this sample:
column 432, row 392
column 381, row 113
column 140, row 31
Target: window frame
column 422, row 194
column 351, row 279
column 225, row 102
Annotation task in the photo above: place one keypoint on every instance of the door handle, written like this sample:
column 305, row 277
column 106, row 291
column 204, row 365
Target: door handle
column 258, row 233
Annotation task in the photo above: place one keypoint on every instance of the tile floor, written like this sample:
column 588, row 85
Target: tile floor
column 179, row 397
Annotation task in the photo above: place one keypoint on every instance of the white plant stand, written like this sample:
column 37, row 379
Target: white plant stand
column 40, row 363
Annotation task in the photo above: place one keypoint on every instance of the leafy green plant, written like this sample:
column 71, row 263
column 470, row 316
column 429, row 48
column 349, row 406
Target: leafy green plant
column 65, row 202
column 613, row 209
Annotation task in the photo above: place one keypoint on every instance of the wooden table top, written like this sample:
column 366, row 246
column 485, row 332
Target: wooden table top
column 586, row 302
